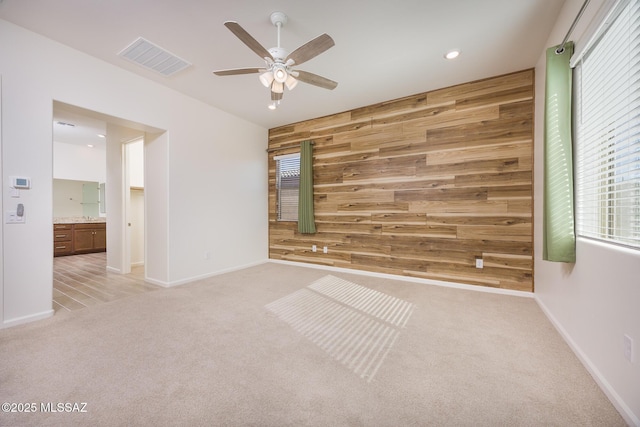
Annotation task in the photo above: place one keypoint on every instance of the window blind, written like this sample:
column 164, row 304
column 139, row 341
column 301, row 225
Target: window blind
column 608, row 133
column 287, row 184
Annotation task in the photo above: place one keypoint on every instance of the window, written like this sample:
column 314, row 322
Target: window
column 607, row 90
column 287, row 184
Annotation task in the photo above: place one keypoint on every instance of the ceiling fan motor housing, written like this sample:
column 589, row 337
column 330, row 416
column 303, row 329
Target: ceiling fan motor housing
column 279, row 54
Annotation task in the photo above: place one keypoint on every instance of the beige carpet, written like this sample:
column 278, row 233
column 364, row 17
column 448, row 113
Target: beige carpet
column 278, row 345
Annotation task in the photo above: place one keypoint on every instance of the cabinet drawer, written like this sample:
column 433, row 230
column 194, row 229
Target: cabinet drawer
column 57, row 227
column 62, row 235
column 62, row 248
column 92, row 226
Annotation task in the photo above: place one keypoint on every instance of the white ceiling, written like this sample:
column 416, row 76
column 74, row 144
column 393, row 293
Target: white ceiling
column 384, row 49
column 73, row 127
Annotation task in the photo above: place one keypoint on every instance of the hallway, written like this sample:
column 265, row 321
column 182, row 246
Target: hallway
column 83, row 280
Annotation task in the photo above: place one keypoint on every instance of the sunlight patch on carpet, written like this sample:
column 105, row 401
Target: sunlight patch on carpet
column 354, row 324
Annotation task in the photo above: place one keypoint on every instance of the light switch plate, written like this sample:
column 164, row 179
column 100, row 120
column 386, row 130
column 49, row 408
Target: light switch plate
column 11, row 217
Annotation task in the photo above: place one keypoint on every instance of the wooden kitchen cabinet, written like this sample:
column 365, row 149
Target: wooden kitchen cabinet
column 91, row 237
column 62, row 239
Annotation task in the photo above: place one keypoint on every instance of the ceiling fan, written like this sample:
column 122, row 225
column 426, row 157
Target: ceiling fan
column 278, row 71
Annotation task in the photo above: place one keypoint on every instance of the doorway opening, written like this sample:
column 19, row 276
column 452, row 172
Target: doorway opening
column 105, row 155
column 133, row 164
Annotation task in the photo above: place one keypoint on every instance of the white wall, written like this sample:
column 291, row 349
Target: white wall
column 135, row 156
column 187, row 175
column 136, row 218
column 80, row 163
column 597, row 300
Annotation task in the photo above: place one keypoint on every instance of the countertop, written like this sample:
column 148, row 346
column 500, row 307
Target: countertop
column 79, row 220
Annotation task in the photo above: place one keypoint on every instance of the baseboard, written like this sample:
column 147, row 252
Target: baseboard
column 624, row 410
column 476, row 288
column 26, row 319
column 157, row 282
column 202, row 276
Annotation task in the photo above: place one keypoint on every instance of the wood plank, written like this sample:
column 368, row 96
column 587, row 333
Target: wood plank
column 501, row 97
column 459, row 206
column 471, row 169
column 413, row 218
column 516, row 150
column 392, row 107
column 443, row 232
column 374, row 207
column 497, row 181
column 515, row 232
column 481, row 87
column 442, row 194
column 361, row 197
column 475, row 219
column 479, row 133
column 449, row 119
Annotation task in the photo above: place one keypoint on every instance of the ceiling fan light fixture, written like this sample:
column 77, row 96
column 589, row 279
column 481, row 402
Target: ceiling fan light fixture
column 291, row 82
column 280, row 74
column 277, row 87
column 266, row 78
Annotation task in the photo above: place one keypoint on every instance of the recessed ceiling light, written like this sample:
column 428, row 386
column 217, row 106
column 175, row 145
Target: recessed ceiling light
column 452, row 54
column 90, row 145
column 101, row 135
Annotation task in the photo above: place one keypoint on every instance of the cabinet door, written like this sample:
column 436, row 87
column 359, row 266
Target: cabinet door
column 83, row 240
column 100, row 239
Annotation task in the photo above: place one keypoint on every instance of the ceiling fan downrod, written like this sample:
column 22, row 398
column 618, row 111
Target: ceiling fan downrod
column 278, row 19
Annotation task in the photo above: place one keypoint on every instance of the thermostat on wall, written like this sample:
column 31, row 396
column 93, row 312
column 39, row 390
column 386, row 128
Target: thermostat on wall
column 20, row 182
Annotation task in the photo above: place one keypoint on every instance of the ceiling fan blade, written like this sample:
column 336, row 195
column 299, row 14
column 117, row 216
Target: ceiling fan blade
column 235, row 71
column 247, row 39
column 276, row 96
column 316, row 80
column 311, row 49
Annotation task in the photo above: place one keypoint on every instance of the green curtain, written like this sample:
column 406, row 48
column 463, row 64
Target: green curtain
column 559, row 241
column 306, row 220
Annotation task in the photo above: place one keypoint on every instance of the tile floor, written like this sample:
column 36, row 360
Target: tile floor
column 83, row 280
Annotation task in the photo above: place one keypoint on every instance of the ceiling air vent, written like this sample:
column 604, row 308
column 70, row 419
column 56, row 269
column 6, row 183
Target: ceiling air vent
column 152, row 57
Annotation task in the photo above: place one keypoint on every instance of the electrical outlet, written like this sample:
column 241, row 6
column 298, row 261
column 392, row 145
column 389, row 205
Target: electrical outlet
column 314, row 248
column 479, row 263
column 628, row 347
column 207, row 255
column 325, row 250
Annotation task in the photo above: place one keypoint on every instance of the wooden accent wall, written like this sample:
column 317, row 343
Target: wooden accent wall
column 421, row 186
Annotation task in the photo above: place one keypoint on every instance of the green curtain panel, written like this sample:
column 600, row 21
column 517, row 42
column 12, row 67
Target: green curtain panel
column 306, row 219
column 559, row 240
